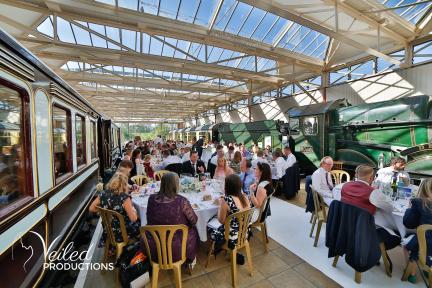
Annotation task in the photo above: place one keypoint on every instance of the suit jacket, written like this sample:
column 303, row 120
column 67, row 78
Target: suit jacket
column 187, row 167
column 291, row 181
column 350, row 231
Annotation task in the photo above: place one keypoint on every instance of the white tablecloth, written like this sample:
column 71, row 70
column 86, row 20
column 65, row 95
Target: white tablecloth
column 206, row 210
column 394, row 221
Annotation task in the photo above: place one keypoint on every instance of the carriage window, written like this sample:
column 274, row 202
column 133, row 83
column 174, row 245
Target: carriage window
column 13, row 182
column 80, row 140
column 62, row 143
column 310, row 126
column 93, row 140
column 294, row 126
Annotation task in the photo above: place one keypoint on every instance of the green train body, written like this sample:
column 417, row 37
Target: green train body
column 365, row 134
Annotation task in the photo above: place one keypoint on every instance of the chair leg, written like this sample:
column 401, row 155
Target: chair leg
column 430, row 279
column 313, row 225
column 385, row 256
column 335, row 260
column 249, row 258
column 211, row 251
column 264, row 236
column 234, row 267
column 177, row 276
column 155, row 276
column 357, row 277
column 265, row 229
column 312, row 215
column 317, row 233
column 407, row 270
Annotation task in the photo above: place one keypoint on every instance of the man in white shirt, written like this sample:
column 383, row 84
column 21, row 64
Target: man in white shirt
column 279, row 164
column 169, row 159
column 219, row 154
column 290, row 158
column 322, row 181
column 260, row 158
column 158, row 140
column 396, row 169
column 230, row 154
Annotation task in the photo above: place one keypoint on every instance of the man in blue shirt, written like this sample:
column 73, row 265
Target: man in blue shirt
column 247, row 175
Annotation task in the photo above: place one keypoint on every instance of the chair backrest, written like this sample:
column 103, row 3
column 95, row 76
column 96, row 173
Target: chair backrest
column 107, row 217
column 338, row 176
column 262, row 208
column 337, row 165
column 319, row 204
column 140, row 180
column 158, row 174
column 162, row 236
column 423, row 245
column 244, row 219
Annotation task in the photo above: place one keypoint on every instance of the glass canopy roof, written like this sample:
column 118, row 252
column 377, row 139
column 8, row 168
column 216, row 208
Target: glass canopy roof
column 236, row 18
column 411, row 10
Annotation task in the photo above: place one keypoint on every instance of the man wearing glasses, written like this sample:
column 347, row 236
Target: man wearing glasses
column 322, row 181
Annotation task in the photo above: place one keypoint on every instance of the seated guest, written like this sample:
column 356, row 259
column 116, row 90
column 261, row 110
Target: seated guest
column 234, row 201
column 169, row 208
column 264, row 188
column 148, row 168
column 194, row 165
column 222, row 170
column 186, row 155
column 230, row 154
column 235, row 163
column 247, row 175
column 279, row 164
column 360, row 193
column 245, row 153
column 290, row 158
column 260, row 158
column 322, row 181
column 218, row 154
column 115, row 197
column 127, row 155
column 136, row 161
column 395, row 170
column 418, row 214
column 169, row 159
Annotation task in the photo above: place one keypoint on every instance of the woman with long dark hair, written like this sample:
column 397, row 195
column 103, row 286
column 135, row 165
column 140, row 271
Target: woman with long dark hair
column 234, row 201
column 261, row 188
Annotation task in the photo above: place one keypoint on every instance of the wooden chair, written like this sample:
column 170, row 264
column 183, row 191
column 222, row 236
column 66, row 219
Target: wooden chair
column 262, row 225
column 320, row 214
column 163, row 237
column 140, row 180
column 158, row 174
column 421, row 237
column 244, row 218
column 338, row 176
column 337, row 165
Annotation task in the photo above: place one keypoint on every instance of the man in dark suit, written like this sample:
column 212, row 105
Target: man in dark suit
column 194, row 165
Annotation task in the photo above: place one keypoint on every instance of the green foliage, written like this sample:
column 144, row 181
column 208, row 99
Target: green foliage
column 145, row 131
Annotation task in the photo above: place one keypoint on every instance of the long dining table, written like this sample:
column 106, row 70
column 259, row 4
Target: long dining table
column 204, row 206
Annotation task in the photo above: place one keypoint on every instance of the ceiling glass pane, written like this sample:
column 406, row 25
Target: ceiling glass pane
column 82, row 36
column 205, row 12
column 46, row 27
column 238, row 18
column 252, row 22
column 225, row 13
column 64, row 31
column 411, row 10
column 168, row 8
column 129, row 4
column 264, row 27
column 188, row 10
column 149, row 6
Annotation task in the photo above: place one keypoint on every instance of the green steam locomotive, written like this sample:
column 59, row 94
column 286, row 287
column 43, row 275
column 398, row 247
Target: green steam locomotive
column 365, row 134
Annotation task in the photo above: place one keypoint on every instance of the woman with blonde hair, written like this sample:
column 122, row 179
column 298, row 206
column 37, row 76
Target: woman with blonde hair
column 222, row 170
column 115, row 197
column 169, row 208
column 419, row 213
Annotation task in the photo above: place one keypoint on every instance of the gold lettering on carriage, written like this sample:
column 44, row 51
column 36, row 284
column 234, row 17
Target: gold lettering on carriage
column 65, row 259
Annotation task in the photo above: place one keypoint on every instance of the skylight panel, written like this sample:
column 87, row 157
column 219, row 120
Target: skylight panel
column 205, row 12
column 225, row 13
column 271, row 36
column 187, row 11
column 46, row 27
column 252, row 22
column 169, row 8
column 411, row 10
column 129, row 4
column 264, row 27
column 155, row 46
column 238, row 18
column 64, row 31
column 82, row 36
column 129, row 38
column 149, row 6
